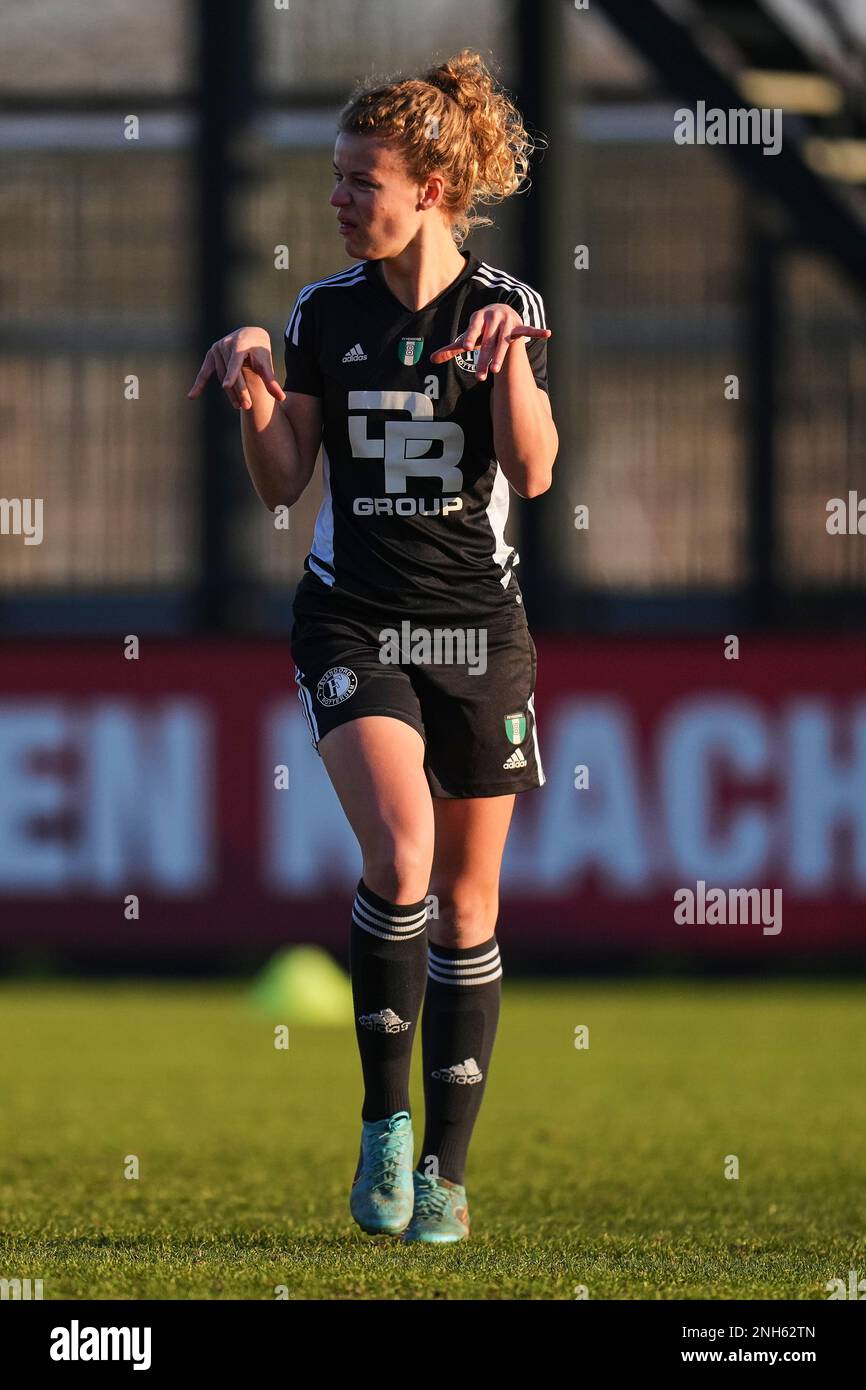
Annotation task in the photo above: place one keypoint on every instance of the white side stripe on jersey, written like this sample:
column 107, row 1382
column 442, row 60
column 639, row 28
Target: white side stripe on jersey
column 342, row 280
column 497, row 515
column 322, row 548
column 533, row 305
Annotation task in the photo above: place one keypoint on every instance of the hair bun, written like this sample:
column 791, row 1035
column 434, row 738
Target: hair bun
column 465, row 79
column 482, row 148
column 446, row 82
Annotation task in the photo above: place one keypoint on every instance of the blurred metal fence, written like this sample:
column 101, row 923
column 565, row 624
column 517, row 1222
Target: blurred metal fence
column 124, row 258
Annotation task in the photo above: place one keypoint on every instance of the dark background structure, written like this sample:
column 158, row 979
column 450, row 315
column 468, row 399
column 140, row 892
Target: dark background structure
column 130, row 256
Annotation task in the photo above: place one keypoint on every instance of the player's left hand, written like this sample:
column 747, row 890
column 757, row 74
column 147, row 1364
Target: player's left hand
column 492, row 330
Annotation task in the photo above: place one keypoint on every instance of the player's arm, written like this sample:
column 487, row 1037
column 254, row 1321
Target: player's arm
column 280, row 432
column 524, row 436
column 281, row 443
column 282, row 438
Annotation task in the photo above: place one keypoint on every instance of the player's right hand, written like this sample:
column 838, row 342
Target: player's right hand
column 247, row 350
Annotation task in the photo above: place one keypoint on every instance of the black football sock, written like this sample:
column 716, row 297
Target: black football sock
column 388, row 954
column 461, row 1011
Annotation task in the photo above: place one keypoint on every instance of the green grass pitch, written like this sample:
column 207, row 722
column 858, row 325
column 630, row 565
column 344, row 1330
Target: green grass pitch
column 602, row 1168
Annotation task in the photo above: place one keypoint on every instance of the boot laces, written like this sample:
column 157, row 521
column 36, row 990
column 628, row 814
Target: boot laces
column 431, row 1200
column 385, row 1165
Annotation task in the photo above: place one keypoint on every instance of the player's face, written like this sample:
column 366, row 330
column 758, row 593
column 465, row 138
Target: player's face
column 375, row 201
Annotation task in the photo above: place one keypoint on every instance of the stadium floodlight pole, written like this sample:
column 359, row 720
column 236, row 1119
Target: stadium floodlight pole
column 763, row 347
column 225, row 109
column 544, row 228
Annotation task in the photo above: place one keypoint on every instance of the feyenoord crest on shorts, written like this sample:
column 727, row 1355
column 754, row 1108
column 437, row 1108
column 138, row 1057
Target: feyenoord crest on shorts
column 336, row 686
column 515, row 727
column 409, row 351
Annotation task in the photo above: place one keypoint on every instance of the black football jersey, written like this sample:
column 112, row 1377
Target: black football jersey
column 415, row 503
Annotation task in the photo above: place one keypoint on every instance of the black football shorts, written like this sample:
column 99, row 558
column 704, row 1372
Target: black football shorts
column 469, row 692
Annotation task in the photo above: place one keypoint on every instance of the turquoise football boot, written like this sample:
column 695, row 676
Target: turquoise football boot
column 441, row 1214
column 382, row 1196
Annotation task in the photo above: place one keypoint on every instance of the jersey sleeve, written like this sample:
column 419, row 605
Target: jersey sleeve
column 303, row 373
column 530, row 307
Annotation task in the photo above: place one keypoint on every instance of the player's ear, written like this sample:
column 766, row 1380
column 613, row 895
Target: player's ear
column 433, row 191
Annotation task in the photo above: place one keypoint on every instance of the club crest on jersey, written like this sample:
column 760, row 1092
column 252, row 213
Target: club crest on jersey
column 515, row 727
column 468, row 361
column 409, row 351
column 336, row 685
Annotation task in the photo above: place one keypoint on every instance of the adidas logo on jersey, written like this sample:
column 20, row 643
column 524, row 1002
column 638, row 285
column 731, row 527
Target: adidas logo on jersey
column 516, row 760
column 461, row 1074
column 385, row 1021
column 355, row 354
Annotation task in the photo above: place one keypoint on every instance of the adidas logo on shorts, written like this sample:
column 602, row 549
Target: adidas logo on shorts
column 461, row 1074
column 355, row 354
column 516, row 760
column 385, row 1021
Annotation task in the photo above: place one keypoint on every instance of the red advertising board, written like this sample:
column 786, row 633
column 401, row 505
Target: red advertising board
column 693, row 804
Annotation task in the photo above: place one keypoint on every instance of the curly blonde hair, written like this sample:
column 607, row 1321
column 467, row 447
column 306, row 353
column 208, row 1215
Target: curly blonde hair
column 455, row 119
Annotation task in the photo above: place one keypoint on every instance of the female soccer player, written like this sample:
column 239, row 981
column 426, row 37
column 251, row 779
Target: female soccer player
column 421, row 372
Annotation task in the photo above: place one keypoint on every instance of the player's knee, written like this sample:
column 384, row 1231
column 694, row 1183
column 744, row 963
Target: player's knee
column 467, row 916
column 400, row 873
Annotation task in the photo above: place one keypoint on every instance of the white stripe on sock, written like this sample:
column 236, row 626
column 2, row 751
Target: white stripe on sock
column 389, row 935
column 396, row 919
column 485, row 979
column 452, row 963
column 471, row 970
